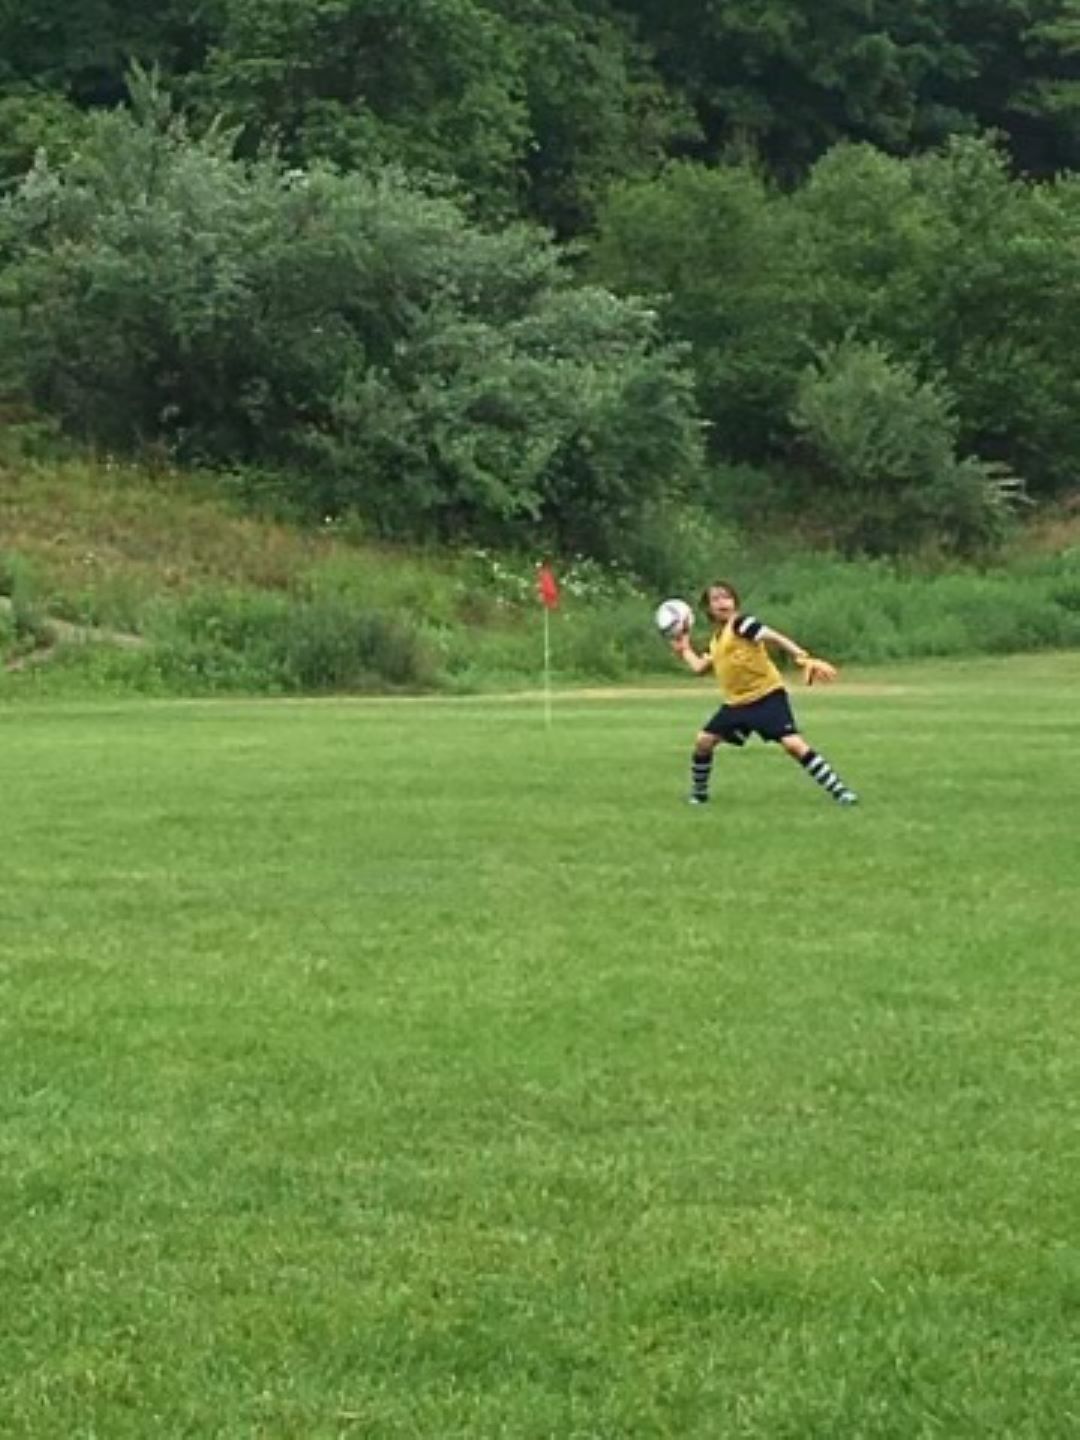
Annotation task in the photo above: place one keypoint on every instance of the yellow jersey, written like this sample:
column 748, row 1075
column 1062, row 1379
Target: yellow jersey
column 741, row 663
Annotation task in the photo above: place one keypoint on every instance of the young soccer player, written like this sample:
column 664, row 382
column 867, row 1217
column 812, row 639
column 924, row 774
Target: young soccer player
column 755, row 700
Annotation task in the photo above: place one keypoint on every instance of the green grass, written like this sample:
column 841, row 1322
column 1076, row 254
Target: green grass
column 404, row 1069
column 177, row 590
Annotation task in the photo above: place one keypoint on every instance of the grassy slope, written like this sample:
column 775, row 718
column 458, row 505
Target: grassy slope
column 167, row 556
column 88, row 528
column 236, row 604
column 404, row 1069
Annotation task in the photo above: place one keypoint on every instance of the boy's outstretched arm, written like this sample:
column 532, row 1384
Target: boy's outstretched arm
column 812, row 667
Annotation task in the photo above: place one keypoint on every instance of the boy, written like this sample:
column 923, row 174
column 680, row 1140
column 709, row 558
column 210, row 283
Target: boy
column 755, row 700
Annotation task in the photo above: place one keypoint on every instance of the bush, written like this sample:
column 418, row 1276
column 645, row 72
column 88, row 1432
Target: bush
column 876, row 611
column 347, row 331
column 715, row 247
column 268, row 643
column 31, row 120
column 879, row 446
column 26, row 626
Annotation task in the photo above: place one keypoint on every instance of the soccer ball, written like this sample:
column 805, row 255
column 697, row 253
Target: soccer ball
column 673, row 617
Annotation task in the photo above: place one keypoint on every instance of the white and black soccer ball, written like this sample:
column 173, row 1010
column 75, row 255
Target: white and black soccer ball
column 673, row 617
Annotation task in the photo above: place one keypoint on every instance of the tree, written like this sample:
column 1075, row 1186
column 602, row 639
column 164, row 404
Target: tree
column 879, row 448
column 1017, row 72
column 597, row 109
column 33, row 120
column 359, row 337
column 785, row 79
column 714, row 248
column 82, row 52
column 436, row 88
column 968, row 273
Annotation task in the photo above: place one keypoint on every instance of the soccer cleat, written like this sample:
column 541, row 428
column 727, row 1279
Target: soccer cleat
column 697, row 799
column 847, row 797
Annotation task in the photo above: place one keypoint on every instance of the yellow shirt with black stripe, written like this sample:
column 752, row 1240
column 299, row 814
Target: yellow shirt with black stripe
column 741, row 663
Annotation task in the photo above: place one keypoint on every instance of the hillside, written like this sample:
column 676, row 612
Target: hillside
column 115, row 578
column 183, row 590
column 103, row 538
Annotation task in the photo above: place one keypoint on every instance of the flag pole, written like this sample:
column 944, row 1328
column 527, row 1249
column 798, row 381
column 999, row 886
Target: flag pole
column 547, row 587
column 547, row 668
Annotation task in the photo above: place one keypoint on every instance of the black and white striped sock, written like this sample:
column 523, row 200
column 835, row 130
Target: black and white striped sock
column 819, row 769
column 700, row 773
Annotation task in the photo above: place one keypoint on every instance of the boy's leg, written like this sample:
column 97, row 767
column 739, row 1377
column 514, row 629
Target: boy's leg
column 701, row 767
column 819, row 769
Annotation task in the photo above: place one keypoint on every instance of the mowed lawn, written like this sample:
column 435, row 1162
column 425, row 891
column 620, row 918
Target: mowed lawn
column 406, row 1069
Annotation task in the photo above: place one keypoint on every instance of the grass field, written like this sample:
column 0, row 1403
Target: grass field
column 405, row 1069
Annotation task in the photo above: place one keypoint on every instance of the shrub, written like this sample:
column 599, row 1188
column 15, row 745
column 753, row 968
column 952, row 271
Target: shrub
column 349, row 332
column 880, row 447
column 26, row 624
column 715, row 248
column 268, row 643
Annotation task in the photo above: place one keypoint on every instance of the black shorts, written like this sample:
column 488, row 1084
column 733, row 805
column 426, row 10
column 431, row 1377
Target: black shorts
column 770, row 717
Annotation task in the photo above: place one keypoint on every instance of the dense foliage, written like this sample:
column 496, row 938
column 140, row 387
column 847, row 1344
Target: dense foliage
column 538, row 100
column 347, row 330
column 483, row 267
column 944, row 269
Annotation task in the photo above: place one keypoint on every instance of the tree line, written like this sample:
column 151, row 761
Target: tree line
column 534, row 106
column 539, row 267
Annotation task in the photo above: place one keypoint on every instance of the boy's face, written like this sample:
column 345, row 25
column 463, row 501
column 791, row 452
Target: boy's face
column 721, row 604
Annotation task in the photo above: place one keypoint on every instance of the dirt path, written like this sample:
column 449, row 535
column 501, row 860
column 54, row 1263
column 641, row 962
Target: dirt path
column 65, row 632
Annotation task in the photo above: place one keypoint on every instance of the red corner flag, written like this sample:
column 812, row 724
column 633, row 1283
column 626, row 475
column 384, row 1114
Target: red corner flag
column 547, row 587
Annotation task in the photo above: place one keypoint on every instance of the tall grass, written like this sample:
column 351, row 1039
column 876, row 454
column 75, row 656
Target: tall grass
column 873, row 611
column 229, row 603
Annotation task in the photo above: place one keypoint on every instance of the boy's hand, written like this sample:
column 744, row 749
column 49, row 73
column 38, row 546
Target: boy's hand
column 814, row 669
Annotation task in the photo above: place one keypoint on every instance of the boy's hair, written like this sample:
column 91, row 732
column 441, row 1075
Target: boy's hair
column 719, row 585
